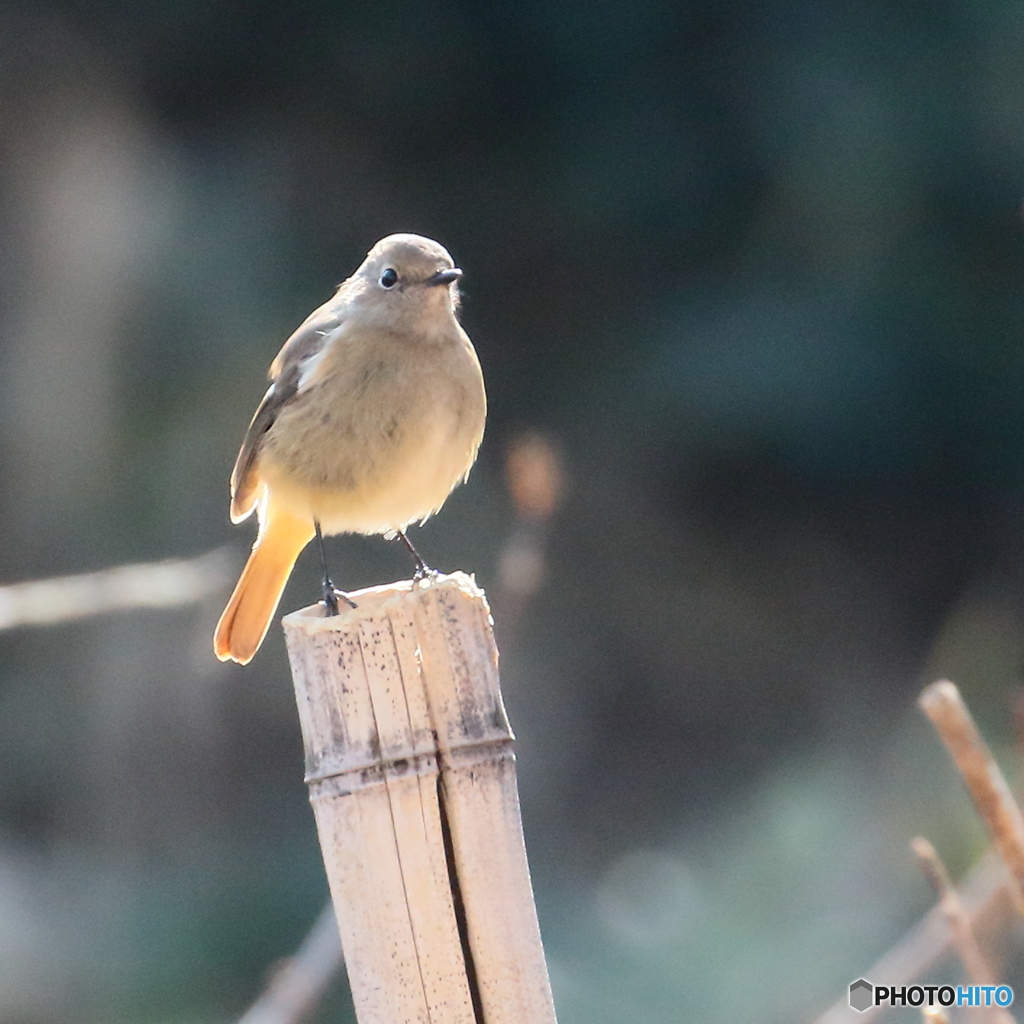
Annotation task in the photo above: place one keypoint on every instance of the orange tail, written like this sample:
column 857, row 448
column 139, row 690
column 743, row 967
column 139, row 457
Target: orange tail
column 247, row 617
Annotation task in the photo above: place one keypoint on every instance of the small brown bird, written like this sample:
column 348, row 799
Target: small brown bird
column 375, row 413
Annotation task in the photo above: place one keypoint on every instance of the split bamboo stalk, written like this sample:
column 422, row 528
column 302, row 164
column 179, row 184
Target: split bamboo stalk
column 411, row 773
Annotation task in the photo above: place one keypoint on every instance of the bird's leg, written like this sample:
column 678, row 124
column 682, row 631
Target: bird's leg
column 330, row 592
column 422, row 569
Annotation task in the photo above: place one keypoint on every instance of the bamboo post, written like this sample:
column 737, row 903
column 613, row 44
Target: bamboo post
column 412, row 779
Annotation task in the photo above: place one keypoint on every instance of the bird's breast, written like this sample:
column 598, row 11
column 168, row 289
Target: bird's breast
column 379, row 437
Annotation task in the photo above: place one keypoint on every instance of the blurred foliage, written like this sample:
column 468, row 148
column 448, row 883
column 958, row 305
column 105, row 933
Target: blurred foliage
column 757, row 268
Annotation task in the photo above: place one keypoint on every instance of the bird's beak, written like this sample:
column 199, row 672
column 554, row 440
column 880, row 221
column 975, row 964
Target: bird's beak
column 443, row 277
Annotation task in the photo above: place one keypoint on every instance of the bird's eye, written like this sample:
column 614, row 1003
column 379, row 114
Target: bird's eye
column 389, row 278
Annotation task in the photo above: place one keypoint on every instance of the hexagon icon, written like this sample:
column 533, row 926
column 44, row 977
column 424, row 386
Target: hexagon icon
column 860, row 994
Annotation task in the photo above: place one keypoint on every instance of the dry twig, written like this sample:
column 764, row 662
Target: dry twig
column 995, row 805
column 982, row 892
column 145, row 585
column 961, row 930
column 299, row 983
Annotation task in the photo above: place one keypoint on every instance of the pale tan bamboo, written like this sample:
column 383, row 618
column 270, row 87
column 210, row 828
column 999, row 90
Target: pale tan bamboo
column 412, row 780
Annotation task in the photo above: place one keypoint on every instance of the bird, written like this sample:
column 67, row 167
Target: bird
column 374, row 415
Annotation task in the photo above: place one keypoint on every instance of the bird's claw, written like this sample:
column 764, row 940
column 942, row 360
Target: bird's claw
column 424, row 572
column 331, row 594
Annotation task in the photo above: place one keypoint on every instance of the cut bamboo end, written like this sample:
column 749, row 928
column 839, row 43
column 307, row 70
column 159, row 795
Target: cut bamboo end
column 412, row 779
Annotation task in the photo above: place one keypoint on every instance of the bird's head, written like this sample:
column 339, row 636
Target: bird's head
column 407, row 282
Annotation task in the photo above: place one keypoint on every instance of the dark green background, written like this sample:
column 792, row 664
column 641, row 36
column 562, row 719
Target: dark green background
column 756, row 268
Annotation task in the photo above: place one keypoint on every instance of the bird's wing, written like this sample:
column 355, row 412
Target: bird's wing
column 286, row 373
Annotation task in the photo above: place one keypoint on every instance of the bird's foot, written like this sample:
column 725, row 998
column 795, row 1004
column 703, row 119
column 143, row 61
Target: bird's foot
column 331, row 596
column 424, row 572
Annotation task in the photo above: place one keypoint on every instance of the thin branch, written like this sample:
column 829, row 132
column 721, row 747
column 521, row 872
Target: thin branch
column 993, row 801
column 983, row 891
column 961, row 931
column 299, row 983
column 960, row 928
column 145, row 585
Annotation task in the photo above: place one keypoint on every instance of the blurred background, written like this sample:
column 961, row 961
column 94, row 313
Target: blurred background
column 747, row 283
